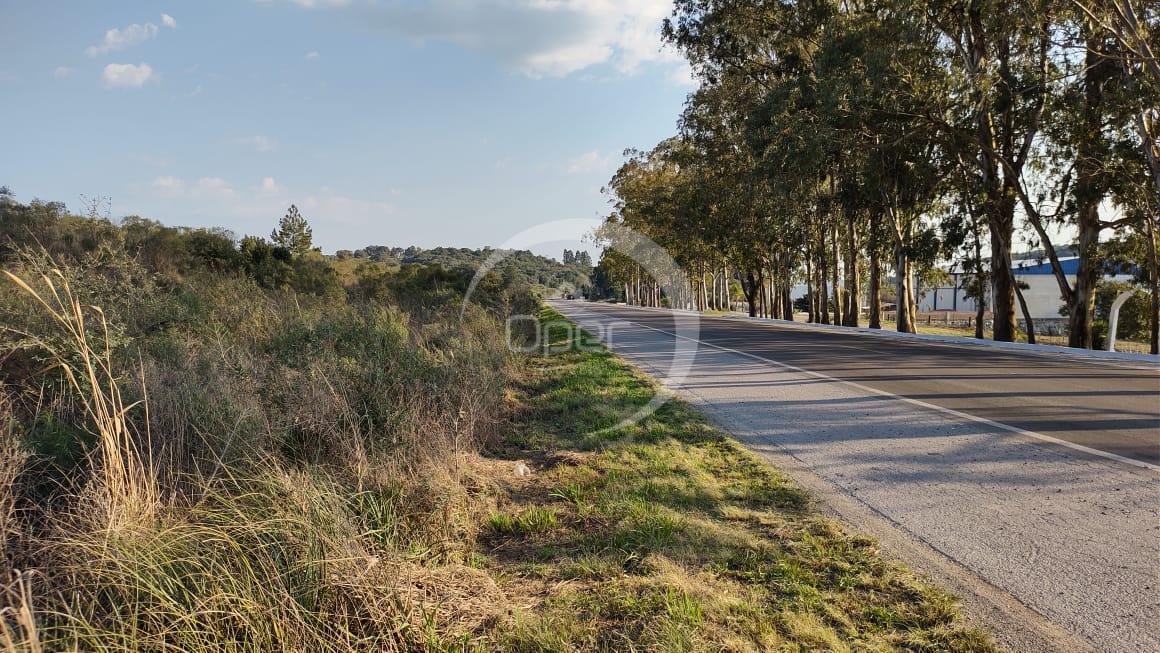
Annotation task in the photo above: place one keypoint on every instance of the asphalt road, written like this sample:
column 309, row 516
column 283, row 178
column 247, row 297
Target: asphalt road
column 1035, row 478
column 1110, row 406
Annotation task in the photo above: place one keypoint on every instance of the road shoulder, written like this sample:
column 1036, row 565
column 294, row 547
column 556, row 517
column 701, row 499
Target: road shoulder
column 1014, row 625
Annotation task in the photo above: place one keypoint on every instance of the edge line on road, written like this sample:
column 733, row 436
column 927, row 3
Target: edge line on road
column 918, row 402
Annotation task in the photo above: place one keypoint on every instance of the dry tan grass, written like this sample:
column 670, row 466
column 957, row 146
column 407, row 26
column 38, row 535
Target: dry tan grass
column 19, row 631
column 128, row 487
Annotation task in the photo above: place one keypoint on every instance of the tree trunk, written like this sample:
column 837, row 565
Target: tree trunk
column 853, row 282
column 727, row 298
column 980, row 309
column 1000, row 209
column 769, row 280
column 1088, row 193
column 704, row 289
column 1002, row 277
column 903, row 317
column 1153, row 278
column 811, row 295
column 1082, row 302
column 875, row 297
column 823, row 274
column 839, row 300
column 1026, row 315
column 911, row 304
column 750, row 290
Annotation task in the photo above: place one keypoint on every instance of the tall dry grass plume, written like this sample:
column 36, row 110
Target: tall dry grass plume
column 127, row 484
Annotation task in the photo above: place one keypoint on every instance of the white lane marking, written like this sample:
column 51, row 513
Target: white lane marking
column 918, row 402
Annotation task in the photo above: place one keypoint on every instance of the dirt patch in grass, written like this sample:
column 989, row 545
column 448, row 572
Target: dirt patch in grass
column 667, row 535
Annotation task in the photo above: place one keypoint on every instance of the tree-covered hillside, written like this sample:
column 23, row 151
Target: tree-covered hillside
column 547, row 275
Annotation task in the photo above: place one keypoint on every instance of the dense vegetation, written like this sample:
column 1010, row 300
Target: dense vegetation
column 833, row 141
column 234, row 451
column 548, row 276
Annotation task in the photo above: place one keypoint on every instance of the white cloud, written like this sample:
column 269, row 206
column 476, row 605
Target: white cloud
column 310, row 4
column 127, row 75
column 169, row 185
column 204, row 188
column 260, row 143
column 212, row 187
column 591, row 162
column 119, row 39
column 540, row 38
column 683, row 75
column 313, row 54
column 168, row 21
column 340, row 209
column 60, row 72
column 269, row 185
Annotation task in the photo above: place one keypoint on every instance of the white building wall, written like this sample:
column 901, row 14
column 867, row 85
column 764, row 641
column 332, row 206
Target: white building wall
column 1042, row 295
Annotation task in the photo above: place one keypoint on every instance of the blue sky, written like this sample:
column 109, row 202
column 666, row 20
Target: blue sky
column 453, row 122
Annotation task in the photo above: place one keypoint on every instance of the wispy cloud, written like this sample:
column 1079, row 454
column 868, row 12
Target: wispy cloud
column 590, row 162
column 540, row 38
column 169, row 185
column 212, row 187
column 313, row 54
column 260, row 143
column 60, row 72
column 119, row 39
column 127, row 75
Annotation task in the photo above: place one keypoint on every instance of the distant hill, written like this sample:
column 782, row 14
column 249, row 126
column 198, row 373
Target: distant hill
column 546, row 274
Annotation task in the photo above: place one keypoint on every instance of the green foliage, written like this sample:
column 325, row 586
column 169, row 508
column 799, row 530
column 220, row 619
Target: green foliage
column 293, row 233
column 544, row 275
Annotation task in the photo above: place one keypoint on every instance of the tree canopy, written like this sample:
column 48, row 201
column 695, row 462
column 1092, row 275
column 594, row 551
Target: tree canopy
column 856, row 147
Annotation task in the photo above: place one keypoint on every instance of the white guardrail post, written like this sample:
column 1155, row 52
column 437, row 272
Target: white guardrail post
column 1114, row 317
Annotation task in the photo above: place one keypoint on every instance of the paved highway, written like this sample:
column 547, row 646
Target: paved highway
column 1028, row 483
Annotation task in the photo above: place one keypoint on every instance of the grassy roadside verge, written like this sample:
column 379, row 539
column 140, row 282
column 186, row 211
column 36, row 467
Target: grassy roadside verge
column 666, row 535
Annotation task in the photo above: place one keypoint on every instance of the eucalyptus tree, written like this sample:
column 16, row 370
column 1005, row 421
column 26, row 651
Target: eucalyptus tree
column 756, row 55
column 655, row 194
column 999, row 53
column 1083, row 158
column 746, row 223
column 1134, row 26
column 878, row 73
column 827, row 136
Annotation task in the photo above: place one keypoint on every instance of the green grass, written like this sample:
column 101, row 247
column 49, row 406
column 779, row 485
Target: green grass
column 668, row 536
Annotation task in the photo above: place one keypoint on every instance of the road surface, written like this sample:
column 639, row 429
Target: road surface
column 1029, row 483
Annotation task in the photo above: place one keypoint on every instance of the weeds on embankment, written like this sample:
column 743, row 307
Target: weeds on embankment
column 206, row 465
